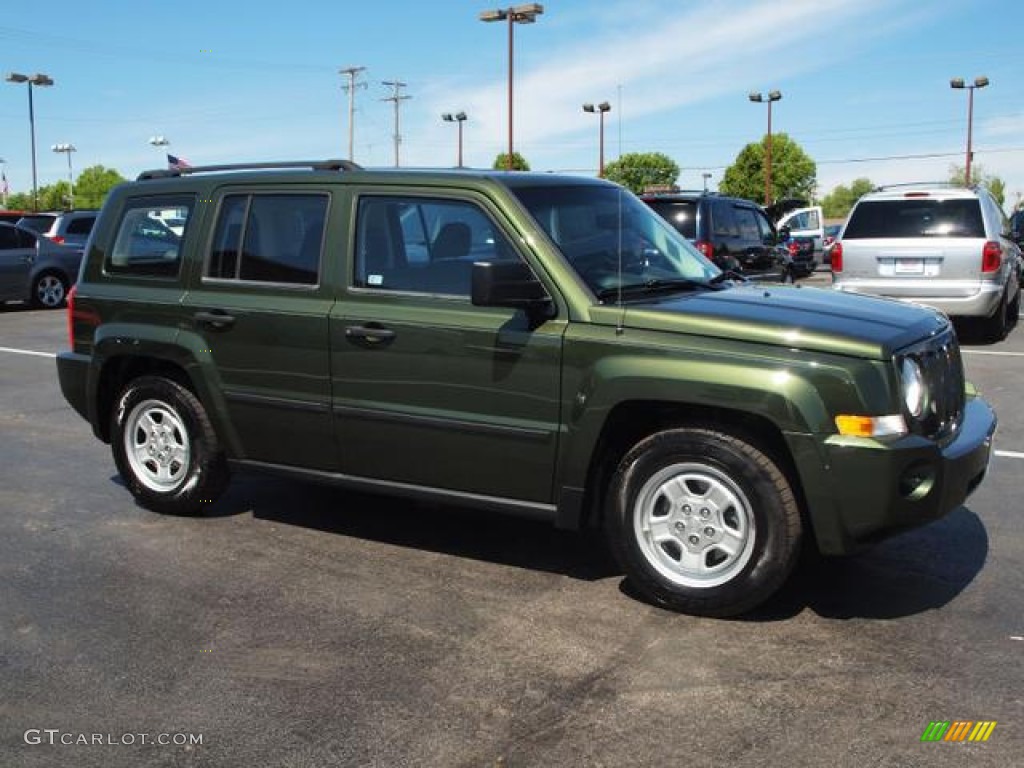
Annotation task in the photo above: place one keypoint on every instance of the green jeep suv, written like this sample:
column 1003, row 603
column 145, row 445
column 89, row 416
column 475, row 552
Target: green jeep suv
column 533, row 344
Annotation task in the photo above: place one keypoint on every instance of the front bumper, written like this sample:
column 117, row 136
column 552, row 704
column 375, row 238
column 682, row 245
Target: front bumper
column 871, row 489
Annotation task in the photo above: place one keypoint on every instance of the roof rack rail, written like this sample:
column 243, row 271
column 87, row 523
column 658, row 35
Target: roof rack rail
column 947, row 183
column 316, row 165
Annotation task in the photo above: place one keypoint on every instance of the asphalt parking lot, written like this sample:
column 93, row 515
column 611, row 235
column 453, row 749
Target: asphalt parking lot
column 298, row 625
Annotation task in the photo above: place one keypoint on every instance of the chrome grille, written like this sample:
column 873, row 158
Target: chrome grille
column 943, row 371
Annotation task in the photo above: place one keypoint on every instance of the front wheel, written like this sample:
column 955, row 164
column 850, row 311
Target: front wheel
column 703, row 522
column 165, row 447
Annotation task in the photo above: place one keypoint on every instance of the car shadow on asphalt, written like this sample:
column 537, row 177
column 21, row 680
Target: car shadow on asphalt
column 917, row 571
column 463, row 532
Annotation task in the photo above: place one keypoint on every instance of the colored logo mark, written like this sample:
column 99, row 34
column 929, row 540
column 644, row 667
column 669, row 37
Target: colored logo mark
column 958, row 730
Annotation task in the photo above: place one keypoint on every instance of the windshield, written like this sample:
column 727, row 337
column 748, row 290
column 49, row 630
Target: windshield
column 613, row 240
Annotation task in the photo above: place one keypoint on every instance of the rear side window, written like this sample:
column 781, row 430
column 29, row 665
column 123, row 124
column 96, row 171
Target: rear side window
column 269, row 238
column 81, row 225
column 681, row 214
column 915, row 217
column 144, row 245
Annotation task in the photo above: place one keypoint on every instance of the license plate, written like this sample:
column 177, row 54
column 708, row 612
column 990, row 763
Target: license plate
column 909, row 266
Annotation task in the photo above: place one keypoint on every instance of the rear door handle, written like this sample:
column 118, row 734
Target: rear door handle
column 217, row 319
column 368, row 333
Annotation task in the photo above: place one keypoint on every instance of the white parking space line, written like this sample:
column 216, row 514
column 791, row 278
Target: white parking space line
column 1009, row 454
column 32, row 352
column 993, row 353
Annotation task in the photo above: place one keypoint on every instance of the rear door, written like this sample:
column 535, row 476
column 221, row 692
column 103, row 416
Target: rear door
column 258, row 315
column 930, row 246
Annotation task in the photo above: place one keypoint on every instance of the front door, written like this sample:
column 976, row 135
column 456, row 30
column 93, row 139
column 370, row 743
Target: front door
column 428, row 389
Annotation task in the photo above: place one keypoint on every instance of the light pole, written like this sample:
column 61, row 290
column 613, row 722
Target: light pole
column 600, row 109
column 519, row 14
column 3, row 181
column 772, row 96
column 460, row 118
column 160, row 143
column 67, row 149
column 705, row 176
column 979, row 82
column 40, row 80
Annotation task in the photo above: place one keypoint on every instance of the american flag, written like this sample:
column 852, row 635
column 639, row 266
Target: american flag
column 177, row 163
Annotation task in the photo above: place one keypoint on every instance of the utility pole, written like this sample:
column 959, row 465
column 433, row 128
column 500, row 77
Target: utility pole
column 350, row 88
column 397, row 98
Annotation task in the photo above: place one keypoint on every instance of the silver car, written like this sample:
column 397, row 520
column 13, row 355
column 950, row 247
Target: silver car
column 35, row 269
column 943, row 246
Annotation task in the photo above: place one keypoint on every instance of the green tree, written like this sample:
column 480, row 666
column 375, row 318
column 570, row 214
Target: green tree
column 638, row 170
column 793, row 171
column 19, row 201
column 994, row 184
column 92, row 185
column 837, row 203
column 518, row 162
column 54, row 197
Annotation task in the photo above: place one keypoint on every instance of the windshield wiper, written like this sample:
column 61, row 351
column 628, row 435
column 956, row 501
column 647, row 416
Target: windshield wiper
column 654, row 286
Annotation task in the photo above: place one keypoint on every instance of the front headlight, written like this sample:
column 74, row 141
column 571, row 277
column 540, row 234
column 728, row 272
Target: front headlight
column 912, row 384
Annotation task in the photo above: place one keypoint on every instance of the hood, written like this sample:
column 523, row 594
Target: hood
column 790, row 316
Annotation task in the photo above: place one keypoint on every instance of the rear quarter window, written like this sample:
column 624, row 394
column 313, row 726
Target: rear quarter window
column 144, row 245
column 915, row 217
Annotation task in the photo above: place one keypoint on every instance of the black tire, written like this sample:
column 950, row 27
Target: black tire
column 49, row 290
column 178, row 468
column 997, row 325
column 727, row 495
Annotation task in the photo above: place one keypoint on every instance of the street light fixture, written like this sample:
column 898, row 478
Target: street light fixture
column 519, row 14
column 42, row 80
column 460, row 118
column 67, row 149
column 979, row 82
column 705, row 176
column 600, row 109
column 770, row 97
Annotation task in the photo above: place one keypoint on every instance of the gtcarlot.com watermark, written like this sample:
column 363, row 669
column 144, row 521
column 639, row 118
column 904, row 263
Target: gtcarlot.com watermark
column 57, row 737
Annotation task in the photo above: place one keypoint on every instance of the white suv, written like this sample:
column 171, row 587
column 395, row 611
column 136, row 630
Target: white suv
column 944, row 246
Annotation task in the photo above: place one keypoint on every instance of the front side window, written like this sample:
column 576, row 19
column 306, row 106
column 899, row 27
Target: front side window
column 144, row 245
column 423, row 245
column 269, row 238
column 612, row 239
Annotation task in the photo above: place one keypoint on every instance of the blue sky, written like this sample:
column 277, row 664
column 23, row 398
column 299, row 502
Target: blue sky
column 229, row 81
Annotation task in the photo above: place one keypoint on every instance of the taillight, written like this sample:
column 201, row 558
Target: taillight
column 59, row 239
column 991, row 256
column 706, row 248
column 71, row 316
column 793, row 247
column 837, row 257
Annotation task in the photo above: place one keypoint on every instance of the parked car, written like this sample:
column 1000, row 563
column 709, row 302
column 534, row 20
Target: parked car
column 805, row 222
column 11, row 217
column 35, row 269
column 554, row 349
column 72, row 227
column 735, row 234
column 943, row 246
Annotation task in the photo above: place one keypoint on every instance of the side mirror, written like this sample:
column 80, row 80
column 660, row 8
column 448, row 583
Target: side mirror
column 507, row 284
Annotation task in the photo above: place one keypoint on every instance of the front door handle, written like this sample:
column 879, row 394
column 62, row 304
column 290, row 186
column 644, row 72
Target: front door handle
column 369, row 333
column 217, row 319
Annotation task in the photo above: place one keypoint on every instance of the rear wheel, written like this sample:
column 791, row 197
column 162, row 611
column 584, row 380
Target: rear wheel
column 165, row 447
column 997, row 325
column 703, row 522
column 49, row 289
